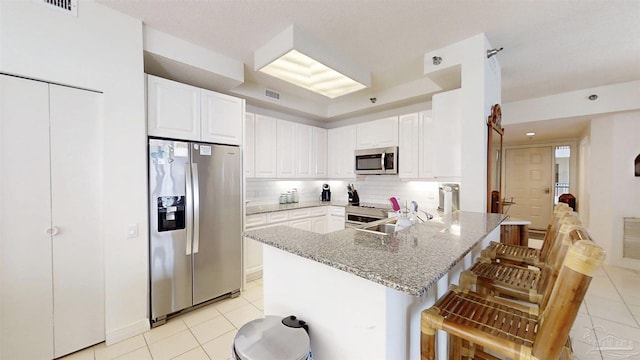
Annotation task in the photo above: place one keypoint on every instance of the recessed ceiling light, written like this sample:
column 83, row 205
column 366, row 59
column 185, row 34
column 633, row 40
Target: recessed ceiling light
column 530, row 134
column 296, row 57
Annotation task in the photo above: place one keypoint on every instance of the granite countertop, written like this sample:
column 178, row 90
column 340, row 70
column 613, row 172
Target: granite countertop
column 262, row 209
column 411, row 260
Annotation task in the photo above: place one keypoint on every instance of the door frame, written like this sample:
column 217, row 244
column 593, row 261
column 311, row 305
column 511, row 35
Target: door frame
column 573, row 162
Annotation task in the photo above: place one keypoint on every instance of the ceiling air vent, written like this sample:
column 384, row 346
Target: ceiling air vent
column 272, row 94
column 67, row 6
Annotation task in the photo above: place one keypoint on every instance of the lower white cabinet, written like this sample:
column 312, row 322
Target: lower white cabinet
column 335, row 218
column 51, row 257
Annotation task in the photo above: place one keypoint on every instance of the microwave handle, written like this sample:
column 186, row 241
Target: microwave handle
column 382, row 160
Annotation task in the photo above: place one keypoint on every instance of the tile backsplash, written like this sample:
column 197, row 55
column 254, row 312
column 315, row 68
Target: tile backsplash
column 371, row 189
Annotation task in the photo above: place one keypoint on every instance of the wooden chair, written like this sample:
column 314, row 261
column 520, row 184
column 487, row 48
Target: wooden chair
column 524, row 255
column 477, row 322
column 518, row 282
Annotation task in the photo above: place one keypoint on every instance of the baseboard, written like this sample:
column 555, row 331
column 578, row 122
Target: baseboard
column 127, row 332
column 254, row 273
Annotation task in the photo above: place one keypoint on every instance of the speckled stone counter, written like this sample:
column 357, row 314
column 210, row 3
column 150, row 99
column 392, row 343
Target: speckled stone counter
column 410, row 261
column 262, row 209
column 362, row 293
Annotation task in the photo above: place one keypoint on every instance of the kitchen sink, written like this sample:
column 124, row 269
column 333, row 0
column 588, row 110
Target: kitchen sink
column 386, row 227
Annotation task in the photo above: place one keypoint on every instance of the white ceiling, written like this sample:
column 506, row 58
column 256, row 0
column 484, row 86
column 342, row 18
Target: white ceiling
column 550, row 46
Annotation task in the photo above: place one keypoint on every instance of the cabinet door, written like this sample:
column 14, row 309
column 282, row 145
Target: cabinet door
column 173, row 109
column 319, row 225
column 448, row 125
column 319, row 158
column 303, row 224
column 342, row 144
column 302, row 150
column 427, row 146
column 409, row 146
column 285, row 149
column 76, row 175
column 248, row 159
column 335, row 217
column 222, row 117
column 265, row 146
column 26, row 309
column 378, row 133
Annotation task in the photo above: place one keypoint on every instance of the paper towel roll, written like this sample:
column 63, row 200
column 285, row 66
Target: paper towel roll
column 448, row 199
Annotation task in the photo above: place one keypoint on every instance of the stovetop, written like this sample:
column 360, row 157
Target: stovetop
column 369, row 209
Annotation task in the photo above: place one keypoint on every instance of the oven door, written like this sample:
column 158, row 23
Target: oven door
column 381, row 161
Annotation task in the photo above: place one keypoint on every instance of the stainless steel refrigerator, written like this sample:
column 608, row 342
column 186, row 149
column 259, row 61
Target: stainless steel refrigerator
column 195, row 224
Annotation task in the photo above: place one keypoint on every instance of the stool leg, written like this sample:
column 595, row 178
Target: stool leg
column 428, row 346
column 455, row 347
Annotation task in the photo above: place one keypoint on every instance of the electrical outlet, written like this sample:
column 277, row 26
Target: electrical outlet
column 132, row 231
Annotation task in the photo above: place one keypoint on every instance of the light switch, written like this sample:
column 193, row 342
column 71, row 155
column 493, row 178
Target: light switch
column 132, row 231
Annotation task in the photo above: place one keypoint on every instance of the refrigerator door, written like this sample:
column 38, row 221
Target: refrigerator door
column 217, row 226
column 170, row 215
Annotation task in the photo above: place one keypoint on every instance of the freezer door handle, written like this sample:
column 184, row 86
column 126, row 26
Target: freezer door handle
column 188, row 206
column 196, row 208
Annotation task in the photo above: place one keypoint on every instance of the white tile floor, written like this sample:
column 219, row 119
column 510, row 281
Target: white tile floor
column 607, row 327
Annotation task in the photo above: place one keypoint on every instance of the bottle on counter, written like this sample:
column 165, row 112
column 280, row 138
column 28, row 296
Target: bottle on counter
column 289, row 197
column 283, row 198
column 294, row 194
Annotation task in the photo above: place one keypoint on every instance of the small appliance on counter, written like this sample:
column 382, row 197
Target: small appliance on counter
column 353, row 195
column 326, row 193
column 449, row 204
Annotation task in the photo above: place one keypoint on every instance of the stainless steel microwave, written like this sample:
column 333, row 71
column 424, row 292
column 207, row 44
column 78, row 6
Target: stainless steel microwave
column 380, row 161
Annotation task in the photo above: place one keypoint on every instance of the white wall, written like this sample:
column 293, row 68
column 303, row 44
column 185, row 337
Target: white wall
column 101, row 50
column 613, row 188
column 481, row 88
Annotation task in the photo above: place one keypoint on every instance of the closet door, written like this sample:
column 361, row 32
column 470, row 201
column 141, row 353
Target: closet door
column 76, row 182
column 26, row 300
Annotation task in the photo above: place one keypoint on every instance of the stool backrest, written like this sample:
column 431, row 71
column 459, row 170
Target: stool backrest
column 560, row 211
column 582, row 260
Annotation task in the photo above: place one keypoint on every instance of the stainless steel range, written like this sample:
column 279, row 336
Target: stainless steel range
column 365, row 213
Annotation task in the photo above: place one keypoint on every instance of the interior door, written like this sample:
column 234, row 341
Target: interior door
column 26, row 308
column 528, row 181
column 76, row 163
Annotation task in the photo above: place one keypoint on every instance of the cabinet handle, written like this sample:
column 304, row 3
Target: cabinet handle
column 52, row 231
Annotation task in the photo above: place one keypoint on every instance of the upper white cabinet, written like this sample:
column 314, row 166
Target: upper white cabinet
column 248, row 158
column 286, row 145
column 265, row 159
column 378, row 133
column 319, row 157
column 430, row 141
column 341, row 147
column 447, row 123
column 185, row 112
column 173, row 109
column 221, row 118
column 409, row 160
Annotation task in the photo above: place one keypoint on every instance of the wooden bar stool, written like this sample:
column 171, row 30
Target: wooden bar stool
column 518, row 282
column 524, row 255
column 480, row 322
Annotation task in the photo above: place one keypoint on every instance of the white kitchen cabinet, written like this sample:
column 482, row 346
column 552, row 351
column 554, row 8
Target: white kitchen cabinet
column 427, row 146
column 409, row 161
column 341, row 146
column 173, row 109
column 248, row 159
column 286, row 145
column 319, row 225
column 221, row 118
column 447, row 122
column 335, row 218
column 51, row 258
column 302, row 224
column 185, row 112
column 303, row 151
column 319, row 157
column 265, row 147
column 377, row 133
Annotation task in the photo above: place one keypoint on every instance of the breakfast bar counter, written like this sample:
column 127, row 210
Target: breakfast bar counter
column 362, row 293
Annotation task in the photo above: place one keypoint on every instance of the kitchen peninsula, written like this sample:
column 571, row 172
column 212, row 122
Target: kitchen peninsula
column 362, row 293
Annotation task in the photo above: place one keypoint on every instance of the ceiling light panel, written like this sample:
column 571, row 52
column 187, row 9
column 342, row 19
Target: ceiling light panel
column 288, row 57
